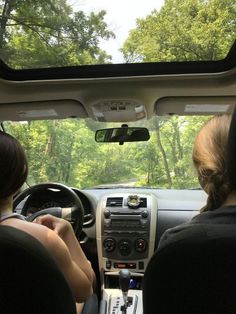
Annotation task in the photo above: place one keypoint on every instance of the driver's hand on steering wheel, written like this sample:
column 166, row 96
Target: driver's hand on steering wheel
column 61, row 226
column 65, row 231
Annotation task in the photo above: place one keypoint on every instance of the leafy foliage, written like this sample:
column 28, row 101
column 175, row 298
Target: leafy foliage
column 48, row 33
column 183, row 30
column 65, row 151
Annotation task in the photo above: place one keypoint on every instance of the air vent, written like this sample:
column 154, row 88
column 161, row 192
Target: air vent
column 143, row 202
column 114, row 201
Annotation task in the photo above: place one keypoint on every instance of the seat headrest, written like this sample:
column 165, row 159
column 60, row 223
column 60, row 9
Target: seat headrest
column 194, row 273
column 30, row 280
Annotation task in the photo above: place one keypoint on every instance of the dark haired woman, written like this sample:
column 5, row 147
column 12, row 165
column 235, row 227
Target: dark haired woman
column 54, row 233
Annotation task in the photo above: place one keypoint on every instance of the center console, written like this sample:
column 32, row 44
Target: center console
column 125, row 232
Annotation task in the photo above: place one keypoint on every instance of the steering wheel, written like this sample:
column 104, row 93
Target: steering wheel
column 73, row 214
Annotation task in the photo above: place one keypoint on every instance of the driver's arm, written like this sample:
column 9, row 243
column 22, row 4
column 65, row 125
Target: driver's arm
column 65, row 231
column 76, row 277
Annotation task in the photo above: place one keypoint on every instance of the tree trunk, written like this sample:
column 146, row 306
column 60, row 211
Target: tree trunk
column 165, row 162
column 7, row 8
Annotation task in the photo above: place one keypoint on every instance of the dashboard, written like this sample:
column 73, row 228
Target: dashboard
column 170, row 207
column 123, row 226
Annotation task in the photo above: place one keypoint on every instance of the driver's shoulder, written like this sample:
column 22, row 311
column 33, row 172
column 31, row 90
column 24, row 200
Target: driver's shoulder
column 45, row 235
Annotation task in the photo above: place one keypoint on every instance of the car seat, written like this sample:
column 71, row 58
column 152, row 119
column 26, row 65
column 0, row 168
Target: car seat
column 30, row 281
column 196, row 273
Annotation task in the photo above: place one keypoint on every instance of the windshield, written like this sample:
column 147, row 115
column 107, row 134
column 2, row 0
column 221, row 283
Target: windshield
column 65, row 151
column 58, row 33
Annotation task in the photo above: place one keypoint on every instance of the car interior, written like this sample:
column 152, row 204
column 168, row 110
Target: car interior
column 121, row 199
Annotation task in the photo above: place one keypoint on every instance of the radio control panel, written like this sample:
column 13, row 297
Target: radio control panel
column 125, row 234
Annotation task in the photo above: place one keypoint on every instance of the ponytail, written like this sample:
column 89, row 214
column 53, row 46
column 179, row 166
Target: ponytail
column 217, row 189
column 209, row 159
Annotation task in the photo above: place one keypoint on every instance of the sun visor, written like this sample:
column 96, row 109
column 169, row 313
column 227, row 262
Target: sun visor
column 42, row 110
column 195, row 105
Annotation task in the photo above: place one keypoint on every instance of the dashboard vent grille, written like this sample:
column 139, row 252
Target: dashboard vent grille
column 143, row 202
column 114, row 201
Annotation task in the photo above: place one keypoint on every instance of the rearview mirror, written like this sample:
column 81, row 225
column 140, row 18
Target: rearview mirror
column 123, row 134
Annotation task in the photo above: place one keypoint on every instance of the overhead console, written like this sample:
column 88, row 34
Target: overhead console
column 118, row 110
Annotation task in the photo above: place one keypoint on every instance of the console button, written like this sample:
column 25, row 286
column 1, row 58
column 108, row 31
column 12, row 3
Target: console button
column 125, row 265
column 108, row 264
column 120, row 265
column 144, row 214
column 107, row 213
column 141, row 265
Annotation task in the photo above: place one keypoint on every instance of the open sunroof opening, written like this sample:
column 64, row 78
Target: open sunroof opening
column 60, row 33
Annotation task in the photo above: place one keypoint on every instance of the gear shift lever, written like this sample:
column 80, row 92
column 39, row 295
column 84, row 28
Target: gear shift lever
column 124, row 280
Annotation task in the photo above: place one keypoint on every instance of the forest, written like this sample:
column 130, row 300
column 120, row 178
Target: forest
column 50, row 33
column 65, row 151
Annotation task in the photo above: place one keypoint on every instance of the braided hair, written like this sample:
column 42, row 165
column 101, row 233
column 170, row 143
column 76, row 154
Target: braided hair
column 209, row 159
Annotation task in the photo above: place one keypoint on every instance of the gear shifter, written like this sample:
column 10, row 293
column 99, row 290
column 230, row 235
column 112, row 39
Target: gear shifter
column 124, row 280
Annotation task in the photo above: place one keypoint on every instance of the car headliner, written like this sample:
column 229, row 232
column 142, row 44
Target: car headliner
column 162, row 88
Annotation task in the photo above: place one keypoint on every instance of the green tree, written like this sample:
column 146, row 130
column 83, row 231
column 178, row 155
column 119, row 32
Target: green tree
column 65, row 151
column 183, row 30
column 48, row 33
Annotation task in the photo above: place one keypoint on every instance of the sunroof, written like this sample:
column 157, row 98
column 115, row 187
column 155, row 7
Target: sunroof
column 59, row 33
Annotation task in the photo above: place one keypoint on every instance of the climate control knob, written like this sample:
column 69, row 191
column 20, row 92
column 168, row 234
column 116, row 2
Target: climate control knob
column 109, row 244
column 124, row 247
column 140, row 245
